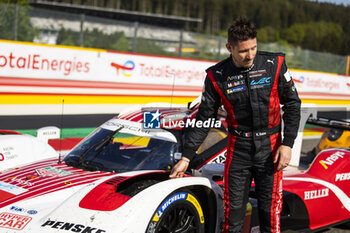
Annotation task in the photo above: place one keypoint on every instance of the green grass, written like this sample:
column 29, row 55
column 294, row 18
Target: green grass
column 66, row 133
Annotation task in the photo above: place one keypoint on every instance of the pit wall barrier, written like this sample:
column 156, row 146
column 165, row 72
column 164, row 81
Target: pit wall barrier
column 37, row 79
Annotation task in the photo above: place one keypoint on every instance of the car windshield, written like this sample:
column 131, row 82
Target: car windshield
column 121, row 145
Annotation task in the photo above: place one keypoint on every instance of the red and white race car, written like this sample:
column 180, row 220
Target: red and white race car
column 116, row 180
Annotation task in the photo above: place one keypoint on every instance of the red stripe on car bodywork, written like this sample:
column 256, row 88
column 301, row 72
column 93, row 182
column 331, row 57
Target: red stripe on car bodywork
column 37, row 185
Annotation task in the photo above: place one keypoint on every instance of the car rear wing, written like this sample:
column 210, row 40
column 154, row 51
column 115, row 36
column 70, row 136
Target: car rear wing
column 329, row 123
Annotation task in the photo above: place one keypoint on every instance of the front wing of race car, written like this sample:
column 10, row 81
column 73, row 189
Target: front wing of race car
column 141, row 213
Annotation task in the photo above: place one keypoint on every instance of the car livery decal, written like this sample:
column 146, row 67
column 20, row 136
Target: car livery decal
column 314, row 194
column 52, row 171
column 343, row 198
column 167, row 203
column 342, row 176
column 331, row 159
column 69, row 226
column 13, row 221
column 194, row 201
column 175, row 198
column 13, row 189
column 23, row 210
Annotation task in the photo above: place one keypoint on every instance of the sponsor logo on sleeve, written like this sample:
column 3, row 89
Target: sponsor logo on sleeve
column 287, row 76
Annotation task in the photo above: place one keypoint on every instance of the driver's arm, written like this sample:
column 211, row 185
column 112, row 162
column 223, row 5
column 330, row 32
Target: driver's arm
column 208, row 108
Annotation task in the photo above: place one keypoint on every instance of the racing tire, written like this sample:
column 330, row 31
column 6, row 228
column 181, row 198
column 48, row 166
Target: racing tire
column 180, row 212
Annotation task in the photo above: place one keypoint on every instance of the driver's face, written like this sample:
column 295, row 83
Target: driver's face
column 243, row 53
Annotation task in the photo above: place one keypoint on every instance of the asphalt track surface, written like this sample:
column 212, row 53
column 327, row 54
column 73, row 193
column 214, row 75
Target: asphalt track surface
column 65, row 121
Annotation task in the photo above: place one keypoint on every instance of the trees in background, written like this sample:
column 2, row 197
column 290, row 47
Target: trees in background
column 316, row 26
column 115, row 41
column 7, row 18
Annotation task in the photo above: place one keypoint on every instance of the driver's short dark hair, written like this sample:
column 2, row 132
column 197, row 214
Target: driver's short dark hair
column 240, row 30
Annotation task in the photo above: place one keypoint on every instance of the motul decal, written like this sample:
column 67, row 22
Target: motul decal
column 342, row 176
column 314, row 194
column 13, row 221
column 68, row 226
column 331, row 159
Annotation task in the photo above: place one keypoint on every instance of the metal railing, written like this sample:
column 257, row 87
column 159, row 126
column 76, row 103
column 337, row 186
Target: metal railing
column 26, row 23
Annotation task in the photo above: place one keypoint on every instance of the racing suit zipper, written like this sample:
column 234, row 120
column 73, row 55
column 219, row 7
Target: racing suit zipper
column 246, row 77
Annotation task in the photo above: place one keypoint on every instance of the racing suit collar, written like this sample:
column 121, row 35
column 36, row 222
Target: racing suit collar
column 241, row 69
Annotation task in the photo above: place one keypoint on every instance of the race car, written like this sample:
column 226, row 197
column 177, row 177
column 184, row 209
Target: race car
column 117, row 180
column 17, row 149
column 336, row 134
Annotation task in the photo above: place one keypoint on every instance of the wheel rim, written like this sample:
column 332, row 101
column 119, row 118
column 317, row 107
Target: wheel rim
column 181, row 218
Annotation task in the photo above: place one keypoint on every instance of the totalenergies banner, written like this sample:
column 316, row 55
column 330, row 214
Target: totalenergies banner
column 57, row 62
column 37, row 79
column 317, row 82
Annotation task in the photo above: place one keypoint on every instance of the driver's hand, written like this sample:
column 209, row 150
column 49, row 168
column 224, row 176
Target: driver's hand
column 180, row 168
column 283, row 157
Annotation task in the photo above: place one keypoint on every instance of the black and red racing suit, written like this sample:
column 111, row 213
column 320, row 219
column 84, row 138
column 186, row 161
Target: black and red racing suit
column 252, row 99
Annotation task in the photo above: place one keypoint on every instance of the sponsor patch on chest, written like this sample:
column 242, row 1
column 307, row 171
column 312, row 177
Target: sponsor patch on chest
column 236, row 89
column 235, row 77
column 260, row 82
column 235, row 83
column 257, row 73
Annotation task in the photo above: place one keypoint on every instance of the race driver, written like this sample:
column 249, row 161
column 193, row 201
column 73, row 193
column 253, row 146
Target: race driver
column 250, row 85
